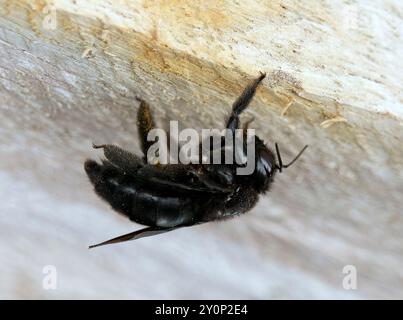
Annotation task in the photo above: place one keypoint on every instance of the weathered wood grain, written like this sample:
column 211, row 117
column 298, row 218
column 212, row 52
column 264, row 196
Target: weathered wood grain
column 334, row 82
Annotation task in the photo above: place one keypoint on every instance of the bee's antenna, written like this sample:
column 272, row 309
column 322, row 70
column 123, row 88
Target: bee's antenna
column 280, row 165
column 280, row 162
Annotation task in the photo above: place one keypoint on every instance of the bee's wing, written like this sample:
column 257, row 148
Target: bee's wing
column 142, row 233
column 181, row 178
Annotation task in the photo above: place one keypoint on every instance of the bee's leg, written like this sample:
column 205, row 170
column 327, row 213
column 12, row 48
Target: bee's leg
column 120, row 157
column 242, row 102
column 145, row 123
column 246, row 126
column 146, row 232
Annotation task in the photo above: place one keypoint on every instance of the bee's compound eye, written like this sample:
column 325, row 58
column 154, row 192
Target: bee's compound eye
column 268, row 160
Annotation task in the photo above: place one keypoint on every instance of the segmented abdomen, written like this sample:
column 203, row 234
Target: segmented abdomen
column 141, row 203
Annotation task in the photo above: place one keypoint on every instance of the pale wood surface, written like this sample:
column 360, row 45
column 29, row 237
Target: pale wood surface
column 340, row 205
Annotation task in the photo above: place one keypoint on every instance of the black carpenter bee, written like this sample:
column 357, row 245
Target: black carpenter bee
column 170, row 196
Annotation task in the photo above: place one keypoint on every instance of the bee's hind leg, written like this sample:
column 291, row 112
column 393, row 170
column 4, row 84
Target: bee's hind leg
column 242, row 102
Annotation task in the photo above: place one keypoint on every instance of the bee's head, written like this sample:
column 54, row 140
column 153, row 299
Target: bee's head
column 267, row 164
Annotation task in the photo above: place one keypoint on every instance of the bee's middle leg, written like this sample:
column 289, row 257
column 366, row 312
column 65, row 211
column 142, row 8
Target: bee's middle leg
column 145, row 123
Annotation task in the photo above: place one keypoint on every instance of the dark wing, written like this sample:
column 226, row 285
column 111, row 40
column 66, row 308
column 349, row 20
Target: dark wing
column 181, row 178
column 142, row 233
column 184, row 178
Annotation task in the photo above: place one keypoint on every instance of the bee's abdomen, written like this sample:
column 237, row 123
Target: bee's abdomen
column 141, row 204
column 160, row 210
